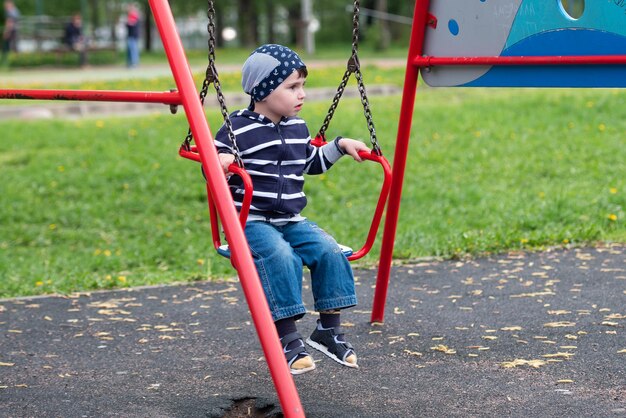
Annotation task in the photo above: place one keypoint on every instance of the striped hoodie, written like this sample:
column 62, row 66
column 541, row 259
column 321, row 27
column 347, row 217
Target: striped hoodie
column 276, row 157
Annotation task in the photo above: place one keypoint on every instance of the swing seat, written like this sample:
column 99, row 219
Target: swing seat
column 191, row 153
column 224, row 251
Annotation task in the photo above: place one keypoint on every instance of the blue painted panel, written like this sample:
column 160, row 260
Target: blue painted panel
column 526, row 28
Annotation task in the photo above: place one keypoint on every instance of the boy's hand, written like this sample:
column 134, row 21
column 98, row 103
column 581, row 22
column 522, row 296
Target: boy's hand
column 352, row 147
column 226, row 160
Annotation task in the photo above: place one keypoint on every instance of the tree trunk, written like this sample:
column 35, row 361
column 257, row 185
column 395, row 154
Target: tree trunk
column 270, row 10
column 248, row 23
column 383, row 26
column 296, row 32
column 147, row 25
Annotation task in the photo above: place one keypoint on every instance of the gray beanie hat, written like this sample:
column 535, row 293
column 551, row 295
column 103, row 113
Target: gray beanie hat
column 266, row 68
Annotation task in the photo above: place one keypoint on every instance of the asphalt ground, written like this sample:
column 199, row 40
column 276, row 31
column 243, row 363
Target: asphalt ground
column 516, row 335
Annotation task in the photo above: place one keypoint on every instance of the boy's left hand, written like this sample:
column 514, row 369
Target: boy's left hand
column 352, row 147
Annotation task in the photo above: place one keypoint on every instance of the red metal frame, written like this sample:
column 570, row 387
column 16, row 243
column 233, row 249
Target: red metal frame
column 241, row 258
column 240, row 253
column 427, row 61
column 170, row 98
column 422, row 20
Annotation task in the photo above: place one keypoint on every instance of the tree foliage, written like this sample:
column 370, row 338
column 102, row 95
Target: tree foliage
column 256, row 21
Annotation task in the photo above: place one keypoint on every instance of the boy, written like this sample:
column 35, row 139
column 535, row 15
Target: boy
column 276, row 150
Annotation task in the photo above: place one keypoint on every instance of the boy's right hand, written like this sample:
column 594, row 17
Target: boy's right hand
column 226, row 160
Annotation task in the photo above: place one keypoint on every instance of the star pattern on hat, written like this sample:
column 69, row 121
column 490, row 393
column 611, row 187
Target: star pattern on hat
column 287, row 62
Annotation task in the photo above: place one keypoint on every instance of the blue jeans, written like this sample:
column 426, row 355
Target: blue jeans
column 279, row 254
column 132, row 52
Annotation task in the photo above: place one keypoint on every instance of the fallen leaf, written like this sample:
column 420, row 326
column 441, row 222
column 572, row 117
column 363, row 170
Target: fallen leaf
column 443, row 349
column 513, row 328
column 559, row 355
column 559, row 324
column 521, row 362
column 413, row 353
column 559, row 312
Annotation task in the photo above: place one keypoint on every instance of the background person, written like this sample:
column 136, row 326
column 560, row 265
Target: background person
column 9, row 34
column 132, row 36
column 73, row 38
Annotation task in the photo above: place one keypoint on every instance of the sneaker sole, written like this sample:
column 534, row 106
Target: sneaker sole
column 321, row 348
column 302, row 371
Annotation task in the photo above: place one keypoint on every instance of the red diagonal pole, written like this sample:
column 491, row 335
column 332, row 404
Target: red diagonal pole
column 420, row 19
column 241, row 257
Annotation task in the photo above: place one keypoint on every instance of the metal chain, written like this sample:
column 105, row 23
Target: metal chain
column 211, row 77
column 353, row 66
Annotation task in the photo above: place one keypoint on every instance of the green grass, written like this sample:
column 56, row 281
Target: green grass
column 95, row 204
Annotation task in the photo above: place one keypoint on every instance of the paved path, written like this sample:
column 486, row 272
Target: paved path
column 518, row 335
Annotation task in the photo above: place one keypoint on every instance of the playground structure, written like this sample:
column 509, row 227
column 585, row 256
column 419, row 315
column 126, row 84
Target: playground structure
column 530, row 43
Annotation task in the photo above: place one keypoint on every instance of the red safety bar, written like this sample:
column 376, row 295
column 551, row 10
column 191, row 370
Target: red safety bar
column 192, row 154
column 380, row 206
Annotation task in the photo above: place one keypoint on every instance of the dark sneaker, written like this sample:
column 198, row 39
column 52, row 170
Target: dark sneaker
column 298, row 359
column 331, row 342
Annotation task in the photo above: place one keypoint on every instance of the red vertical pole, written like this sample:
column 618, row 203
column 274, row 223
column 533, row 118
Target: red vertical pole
column 241, row 257
column 420, row 20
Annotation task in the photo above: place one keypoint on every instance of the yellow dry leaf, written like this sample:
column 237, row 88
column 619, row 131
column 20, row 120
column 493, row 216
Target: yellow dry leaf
column 533, row 295
column 559, row 324
column 443, row 349
column 489, row 337
column 565, row 381
column 7, row 364
column 610, row 323
column 559, row 355
column 559, row 312
column 521, row 362
column 513, row 328
column 413, row 353
column 622, row 351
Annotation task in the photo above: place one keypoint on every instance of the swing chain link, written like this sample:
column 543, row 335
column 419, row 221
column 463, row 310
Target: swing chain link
column 212, row 77
column 353, row 66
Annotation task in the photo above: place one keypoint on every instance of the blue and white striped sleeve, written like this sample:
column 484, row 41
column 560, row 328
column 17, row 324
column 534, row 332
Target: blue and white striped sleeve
column 322, row 158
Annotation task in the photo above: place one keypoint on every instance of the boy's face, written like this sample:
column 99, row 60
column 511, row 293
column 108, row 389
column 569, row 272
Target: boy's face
column 286, row 100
